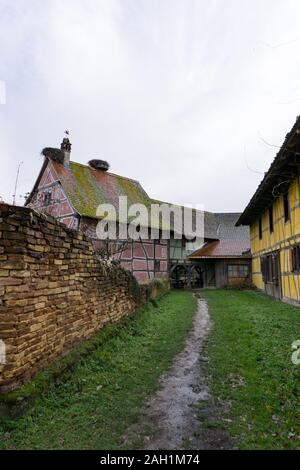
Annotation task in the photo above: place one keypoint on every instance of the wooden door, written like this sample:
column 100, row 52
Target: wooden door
column 273, row 281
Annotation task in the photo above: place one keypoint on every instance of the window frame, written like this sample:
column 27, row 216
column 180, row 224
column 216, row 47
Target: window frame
column 269, row 268
column 295, row 259
column 238, row 267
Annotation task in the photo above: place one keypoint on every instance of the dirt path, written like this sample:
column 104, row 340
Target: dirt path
column 170, row 419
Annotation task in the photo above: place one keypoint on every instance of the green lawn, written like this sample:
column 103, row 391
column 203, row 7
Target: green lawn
column 92, row 407
column 250, row 368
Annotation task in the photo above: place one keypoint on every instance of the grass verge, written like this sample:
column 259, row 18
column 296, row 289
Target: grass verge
column 91, row 407
column 250, row 368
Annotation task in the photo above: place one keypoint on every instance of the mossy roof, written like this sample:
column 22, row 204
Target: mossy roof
column 87, row 188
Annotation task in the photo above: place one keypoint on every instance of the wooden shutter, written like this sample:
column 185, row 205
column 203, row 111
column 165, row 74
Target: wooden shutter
column 275, row 273
column 263, row 267
column 297, row 258
column 292, row 259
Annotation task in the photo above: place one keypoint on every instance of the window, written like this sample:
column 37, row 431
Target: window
column 156, row 265
column 269, row 268
column 238, row 270
column 286, row 207
column 47, row 198
column 232, row 270
column 260, row 228
column 271, row 221
column 244, row 270
column 295, row 259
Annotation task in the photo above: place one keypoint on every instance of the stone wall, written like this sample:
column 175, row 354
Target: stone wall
column 54, row 292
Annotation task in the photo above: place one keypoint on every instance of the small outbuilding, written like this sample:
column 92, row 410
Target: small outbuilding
column 225, row 262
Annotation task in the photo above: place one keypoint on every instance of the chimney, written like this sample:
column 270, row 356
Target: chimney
column 66, row 149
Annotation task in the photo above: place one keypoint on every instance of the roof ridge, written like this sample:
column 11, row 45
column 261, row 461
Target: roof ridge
column 227, row 213
column 181, row 205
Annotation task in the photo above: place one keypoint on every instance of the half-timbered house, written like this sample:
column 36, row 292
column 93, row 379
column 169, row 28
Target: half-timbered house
column 72, row 193
column 273, row 214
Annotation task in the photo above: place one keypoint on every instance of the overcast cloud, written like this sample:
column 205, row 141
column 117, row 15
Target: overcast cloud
column 175, row 93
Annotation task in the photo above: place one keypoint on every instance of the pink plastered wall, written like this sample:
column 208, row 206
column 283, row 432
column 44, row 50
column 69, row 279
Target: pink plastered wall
column 51, row 199
column 145, row 259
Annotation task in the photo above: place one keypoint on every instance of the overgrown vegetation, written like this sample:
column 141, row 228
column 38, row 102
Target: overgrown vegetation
column 92, row 406
column 252, row 379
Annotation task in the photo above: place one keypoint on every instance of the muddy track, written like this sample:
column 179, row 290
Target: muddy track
column 170, row 420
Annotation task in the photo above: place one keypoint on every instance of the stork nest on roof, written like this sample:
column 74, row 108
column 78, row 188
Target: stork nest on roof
column 55, row 154
column 99, row 165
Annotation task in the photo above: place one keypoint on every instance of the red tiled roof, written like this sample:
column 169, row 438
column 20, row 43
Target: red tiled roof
column 87, row 188
column 223, row 249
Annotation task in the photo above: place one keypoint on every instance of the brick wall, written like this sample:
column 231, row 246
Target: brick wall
column 54, row 292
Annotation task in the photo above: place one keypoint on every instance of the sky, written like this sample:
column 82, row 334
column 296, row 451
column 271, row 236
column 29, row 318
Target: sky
column 190, row 97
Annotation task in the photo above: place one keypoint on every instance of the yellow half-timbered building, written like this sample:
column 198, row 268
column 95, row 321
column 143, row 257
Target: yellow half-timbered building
column 274, row 218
